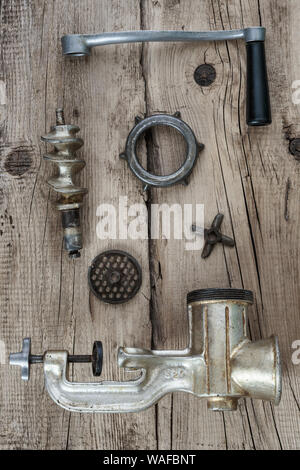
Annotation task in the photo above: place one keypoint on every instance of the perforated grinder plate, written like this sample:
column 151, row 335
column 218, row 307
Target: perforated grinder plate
column 115, row 276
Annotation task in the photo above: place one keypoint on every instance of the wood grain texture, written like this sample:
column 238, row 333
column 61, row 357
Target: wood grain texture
column 248, row 174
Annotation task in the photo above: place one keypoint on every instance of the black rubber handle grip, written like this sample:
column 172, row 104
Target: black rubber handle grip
column 258, row 98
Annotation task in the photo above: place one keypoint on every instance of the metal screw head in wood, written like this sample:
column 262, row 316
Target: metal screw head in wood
column 213, row 235
column 205, row 75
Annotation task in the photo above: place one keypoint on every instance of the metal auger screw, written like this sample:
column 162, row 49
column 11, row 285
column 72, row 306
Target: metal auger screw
column 63, row 157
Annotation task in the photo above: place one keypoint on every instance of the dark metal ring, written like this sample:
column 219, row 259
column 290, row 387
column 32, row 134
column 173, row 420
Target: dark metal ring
column 180, row 175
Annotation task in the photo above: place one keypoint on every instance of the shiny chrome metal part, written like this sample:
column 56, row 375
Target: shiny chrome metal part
column 220, row 364
column 63, row 138
column 21, row 359
column 80, row 44
column 161, row 181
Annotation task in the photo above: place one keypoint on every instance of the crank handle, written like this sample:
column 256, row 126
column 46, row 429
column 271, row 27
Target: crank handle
column 80, row 44
column 258, row 101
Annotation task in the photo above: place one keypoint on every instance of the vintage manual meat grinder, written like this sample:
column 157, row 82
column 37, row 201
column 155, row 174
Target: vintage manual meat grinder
column 220, row 363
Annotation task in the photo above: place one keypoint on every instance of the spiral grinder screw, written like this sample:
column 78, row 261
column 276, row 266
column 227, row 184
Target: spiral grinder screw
column 63, row 138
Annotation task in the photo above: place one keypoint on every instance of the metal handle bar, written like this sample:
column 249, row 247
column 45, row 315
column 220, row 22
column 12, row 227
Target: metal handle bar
column 80, row 44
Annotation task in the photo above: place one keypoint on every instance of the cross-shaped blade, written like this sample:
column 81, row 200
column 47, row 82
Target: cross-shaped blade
column 213, row 235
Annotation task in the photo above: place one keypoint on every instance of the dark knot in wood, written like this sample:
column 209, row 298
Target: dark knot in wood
column 18, row 162
column 295, row 148
column 205, row 75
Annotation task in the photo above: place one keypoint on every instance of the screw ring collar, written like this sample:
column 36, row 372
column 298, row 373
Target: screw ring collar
column 160, row 181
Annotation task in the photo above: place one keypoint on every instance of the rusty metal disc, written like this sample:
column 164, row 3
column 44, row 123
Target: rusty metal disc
column 115, row 276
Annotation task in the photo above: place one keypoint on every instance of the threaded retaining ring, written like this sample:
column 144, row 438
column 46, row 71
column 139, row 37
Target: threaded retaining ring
column 220, row 294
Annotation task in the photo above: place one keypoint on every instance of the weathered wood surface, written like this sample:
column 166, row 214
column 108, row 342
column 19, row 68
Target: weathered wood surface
column 248, row 174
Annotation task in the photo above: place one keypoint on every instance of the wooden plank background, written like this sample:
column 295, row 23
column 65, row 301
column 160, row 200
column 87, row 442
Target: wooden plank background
column 248, row 174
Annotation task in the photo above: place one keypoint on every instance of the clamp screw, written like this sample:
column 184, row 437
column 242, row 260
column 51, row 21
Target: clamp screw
column 24, row 359
column 213, row 235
